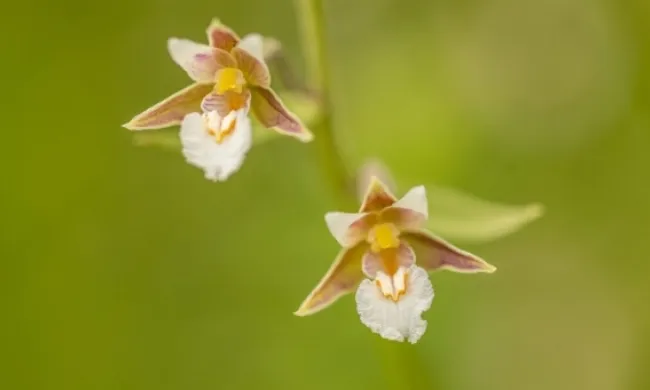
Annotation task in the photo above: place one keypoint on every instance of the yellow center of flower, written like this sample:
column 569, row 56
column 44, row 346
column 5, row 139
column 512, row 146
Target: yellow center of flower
column 229, row 79
column 384, row 236
column 392, row 276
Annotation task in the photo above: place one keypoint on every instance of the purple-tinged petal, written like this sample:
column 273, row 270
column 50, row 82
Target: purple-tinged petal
column 221, row 36
column 415, row 200
column 410, row 212
column 253, row 44
column 271, row 113
column 226, row 102
column 196, row 59
column 433, row 253
column 256, row 72
column 377, row 197
column 349, row 228
column 343, row 277
column 223, row 59
column 172, row 110
column 215, row 102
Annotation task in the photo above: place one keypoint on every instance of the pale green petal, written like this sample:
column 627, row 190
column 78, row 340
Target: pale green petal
column 458, row 216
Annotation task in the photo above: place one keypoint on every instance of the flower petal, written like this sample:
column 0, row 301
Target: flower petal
column 433, row 253
column 253, row 44
column 343, row 277
column 410, row 212
column 415, row 200
column 172, row 110
column 218, row 160
column 348, row 228
column 223, row 58
column 467, row 218
column 399, row 320
column 377, row 196
column 270, row 111
column 215, row 102
column 371, row 169
column 271, row 48
column 221, row 36
column 196, row 59
column 226, row 102
column 388, row 260
column 256, row 72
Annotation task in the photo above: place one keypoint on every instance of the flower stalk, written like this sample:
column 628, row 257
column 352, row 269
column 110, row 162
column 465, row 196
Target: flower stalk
column 311, row 23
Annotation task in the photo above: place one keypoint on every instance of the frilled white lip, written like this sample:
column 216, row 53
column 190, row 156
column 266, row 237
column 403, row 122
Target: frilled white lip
column 396, row 319
column 218, row 159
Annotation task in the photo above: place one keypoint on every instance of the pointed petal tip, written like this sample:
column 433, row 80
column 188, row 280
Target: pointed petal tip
column 377, row 195
column 301, row 312
column 135, row 124
column 306, row 136
column 373, row 170
column 132, row 125
column 536, row 210
column 482, row 266
column 171, row 41
column 217, row 23
column 306, row 310
column 489, row 268
column 375, row 181
column 376, row 184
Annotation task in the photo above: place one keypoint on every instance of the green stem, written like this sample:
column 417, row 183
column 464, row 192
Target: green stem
column 401, row 361
column 312, row 28
column 311, row 23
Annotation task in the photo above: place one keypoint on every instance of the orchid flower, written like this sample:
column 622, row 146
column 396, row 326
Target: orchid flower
column 386, row 257
column 230, row 78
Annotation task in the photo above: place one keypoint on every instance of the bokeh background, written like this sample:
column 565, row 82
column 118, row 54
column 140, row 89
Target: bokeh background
column 124, row 269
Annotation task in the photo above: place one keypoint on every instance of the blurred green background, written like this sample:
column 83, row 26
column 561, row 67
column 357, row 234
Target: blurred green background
column 125, row 269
